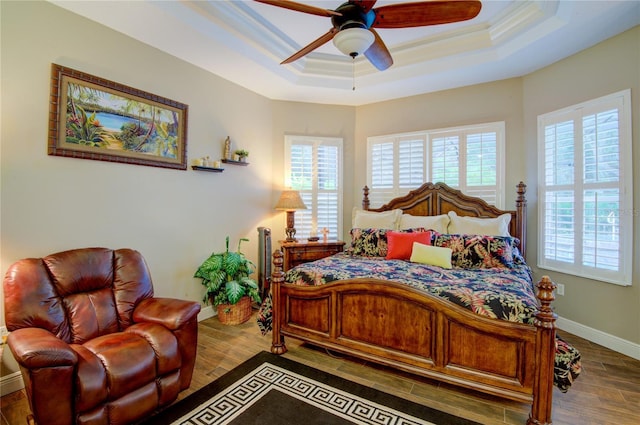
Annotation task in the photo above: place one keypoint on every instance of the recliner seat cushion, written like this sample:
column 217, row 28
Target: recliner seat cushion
column 129, row 361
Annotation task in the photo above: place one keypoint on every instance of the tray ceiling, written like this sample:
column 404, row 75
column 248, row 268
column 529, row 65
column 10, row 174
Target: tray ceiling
column 245, row 41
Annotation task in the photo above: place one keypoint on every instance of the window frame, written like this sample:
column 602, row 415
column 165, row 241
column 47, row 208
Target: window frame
column 427, row 136
column 315, row 141
column 576, row 114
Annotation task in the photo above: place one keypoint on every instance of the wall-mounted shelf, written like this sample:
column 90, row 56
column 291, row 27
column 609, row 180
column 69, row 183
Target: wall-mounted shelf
column 232, row 162
column 210, row 169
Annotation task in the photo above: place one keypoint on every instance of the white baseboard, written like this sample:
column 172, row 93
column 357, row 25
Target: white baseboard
column 611, row 342
column 11, row 383
column 205, row 313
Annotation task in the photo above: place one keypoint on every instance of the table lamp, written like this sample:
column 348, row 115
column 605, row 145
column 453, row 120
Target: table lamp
column 290, row 201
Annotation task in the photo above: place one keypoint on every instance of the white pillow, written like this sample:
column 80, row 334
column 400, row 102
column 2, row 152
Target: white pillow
column 439, row 223
column 498, row 226
column 376, row 220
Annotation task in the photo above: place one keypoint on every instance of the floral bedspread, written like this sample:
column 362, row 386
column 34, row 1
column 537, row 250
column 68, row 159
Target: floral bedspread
column 500, row 293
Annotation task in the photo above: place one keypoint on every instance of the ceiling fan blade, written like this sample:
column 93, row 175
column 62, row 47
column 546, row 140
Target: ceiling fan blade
column 365, row 5
column 378, row 54
column 424, row 13
column 311, row 46
column 299, row 7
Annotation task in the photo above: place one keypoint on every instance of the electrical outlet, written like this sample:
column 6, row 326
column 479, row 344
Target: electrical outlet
column 560, row 289
column 4, row 333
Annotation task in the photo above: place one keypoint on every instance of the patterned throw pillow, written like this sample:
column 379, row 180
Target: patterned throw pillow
column 371, row 242
column 477, row 251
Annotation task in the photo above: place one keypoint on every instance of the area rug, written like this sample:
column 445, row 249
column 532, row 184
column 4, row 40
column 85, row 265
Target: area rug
column 272, row 390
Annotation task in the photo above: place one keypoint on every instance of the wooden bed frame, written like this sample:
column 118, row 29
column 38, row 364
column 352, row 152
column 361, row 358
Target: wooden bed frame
column 424, row 334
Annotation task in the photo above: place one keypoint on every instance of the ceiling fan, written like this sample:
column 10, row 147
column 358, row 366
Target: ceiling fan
column 353, row 23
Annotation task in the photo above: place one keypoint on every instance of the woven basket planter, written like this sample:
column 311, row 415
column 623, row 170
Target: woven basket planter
column 234, row 314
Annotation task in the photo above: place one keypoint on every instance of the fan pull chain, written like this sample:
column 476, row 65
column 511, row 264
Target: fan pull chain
column 353, row 72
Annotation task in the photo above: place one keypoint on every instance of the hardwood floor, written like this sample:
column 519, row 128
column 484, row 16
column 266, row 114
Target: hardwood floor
column 607, row 392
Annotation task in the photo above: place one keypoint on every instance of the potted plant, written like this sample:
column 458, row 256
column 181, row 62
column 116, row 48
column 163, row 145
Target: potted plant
column 228, row 286
column 242, row 154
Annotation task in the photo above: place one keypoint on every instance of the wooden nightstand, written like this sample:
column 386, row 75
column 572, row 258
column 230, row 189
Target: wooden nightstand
column 302, row 252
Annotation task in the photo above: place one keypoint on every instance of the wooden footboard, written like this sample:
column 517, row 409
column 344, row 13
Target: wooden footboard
column 398, row 326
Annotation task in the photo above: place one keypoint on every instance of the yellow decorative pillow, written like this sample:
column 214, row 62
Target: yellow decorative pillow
column 431, row 255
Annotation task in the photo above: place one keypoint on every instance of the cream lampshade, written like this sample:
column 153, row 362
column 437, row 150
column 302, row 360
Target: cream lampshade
column 290, row 201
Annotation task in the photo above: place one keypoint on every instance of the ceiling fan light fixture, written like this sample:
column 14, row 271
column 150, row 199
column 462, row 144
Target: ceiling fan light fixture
column 353, row 41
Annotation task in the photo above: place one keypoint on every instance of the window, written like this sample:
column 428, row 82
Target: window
column 585, row 189
column 468, row 158
column 313, row 165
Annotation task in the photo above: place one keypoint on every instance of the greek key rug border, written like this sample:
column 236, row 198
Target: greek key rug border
column 222, row 408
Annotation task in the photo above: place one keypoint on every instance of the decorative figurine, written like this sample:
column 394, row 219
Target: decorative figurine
column 227, row 148
column 325, row 234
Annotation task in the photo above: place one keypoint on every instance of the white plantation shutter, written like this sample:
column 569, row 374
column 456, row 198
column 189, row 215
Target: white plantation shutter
column 585, row 189
column 482, row 170
column 445, row 160
column 381, row 164
column 410, row 163
column 559, row 226
column 468, row 158
column 313, row 165
column 301, row 178
column 328, row 187
column 396, row 165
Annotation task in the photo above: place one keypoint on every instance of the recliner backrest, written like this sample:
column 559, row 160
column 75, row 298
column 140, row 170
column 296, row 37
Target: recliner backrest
column 78, row 294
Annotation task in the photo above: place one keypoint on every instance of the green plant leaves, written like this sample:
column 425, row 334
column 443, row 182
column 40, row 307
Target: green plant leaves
column 234, row 290
column 214, row 262
column 226, row 277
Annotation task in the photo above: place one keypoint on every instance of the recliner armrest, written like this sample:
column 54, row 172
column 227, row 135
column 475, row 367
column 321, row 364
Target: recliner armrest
column 37, row 348
column 169, row 312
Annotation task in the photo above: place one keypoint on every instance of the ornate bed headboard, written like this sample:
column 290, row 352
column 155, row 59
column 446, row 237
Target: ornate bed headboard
column 438, row 198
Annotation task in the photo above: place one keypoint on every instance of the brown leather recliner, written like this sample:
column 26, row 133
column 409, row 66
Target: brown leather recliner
column 93, row 344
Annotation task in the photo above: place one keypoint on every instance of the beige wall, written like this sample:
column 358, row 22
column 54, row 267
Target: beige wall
column 496, row 101
column 176, row 218
column 316, row 120
column 595, row 309
column 606, row 68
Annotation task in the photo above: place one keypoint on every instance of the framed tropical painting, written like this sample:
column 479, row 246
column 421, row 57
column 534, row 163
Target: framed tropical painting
column 94, row 118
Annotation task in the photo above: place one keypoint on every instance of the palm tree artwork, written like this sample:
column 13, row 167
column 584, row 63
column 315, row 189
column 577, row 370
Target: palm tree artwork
column 101, row 119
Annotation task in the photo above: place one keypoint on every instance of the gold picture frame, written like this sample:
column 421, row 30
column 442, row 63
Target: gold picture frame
column 94, row 118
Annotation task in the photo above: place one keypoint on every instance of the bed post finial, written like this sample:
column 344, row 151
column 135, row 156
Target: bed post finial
column 545, row 316
column 521, row 214
column 365, row 198
column 545, row 322
column 277, row 278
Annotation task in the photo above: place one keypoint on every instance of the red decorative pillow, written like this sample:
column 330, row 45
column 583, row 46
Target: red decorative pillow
column 400, row 245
